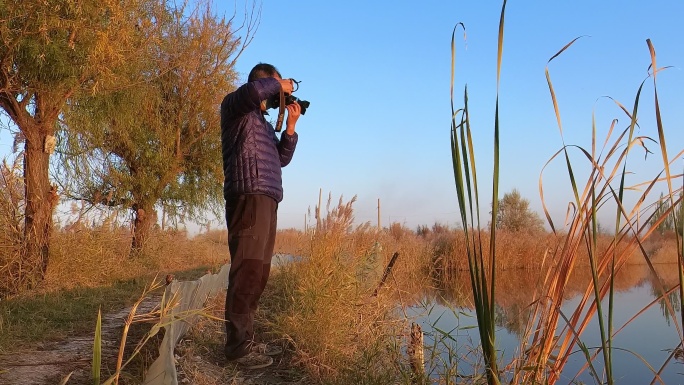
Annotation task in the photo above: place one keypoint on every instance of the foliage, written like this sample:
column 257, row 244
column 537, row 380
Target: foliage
column 52, row 51
column 664, row 218
column 156, row 142
column 514, row 214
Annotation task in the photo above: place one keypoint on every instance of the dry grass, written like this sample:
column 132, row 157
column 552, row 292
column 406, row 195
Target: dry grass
column 90, row 269
column 100, row 256
column 11, row 225
column 323, row 305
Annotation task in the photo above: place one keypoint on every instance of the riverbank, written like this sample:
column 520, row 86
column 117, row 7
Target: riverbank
column 325, row 309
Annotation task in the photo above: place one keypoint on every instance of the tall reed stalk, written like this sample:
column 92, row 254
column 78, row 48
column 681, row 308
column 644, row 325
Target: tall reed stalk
column 555, row 334
column 482, row 271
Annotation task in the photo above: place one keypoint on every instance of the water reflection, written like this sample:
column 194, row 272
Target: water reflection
column 650, row 337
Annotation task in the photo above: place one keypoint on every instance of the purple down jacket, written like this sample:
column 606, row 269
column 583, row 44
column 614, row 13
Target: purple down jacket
column 252, row 153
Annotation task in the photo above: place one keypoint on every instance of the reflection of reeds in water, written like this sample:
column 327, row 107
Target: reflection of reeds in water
column 520, row 250
column 516, row 290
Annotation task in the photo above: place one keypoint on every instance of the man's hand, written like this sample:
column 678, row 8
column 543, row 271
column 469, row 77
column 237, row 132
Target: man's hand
column 286, row 85
column 294, row 110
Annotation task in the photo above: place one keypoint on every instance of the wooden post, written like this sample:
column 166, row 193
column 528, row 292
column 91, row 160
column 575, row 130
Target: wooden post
column 318, row 210
column 388, row 270
column 415, row 353
column 379, row 224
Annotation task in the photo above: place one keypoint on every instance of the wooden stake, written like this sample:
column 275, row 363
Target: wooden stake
column 379, row 225
column 388, row 270
column 318, row 209
column 415, row 353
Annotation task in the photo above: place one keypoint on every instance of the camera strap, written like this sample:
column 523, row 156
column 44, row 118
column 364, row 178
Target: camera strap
column 281, row 112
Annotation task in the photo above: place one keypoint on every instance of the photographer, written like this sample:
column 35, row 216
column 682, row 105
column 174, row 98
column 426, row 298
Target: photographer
column 252, row 160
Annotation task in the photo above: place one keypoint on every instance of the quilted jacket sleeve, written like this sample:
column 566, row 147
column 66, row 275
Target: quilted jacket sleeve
column 248, row 97
column 286, row 147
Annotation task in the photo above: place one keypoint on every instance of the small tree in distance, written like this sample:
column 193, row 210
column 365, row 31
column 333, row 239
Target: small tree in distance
column 672, row 219
column 514, row 214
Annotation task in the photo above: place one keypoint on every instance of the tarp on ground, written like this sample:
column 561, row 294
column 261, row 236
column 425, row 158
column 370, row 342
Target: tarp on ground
column 190, row 296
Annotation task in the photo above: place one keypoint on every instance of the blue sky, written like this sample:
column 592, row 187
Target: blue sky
column 377, row 75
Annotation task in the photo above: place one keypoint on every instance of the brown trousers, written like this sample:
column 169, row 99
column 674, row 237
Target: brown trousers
column 251, row 221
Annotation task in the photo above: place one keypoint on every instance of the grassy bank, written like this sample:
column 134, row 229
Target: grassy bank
column 90, row 270
column 323, row 308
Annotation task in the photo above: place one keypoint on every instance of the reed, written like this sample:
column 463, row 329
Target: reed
column 482, row 270
column 550, row 336
column 555, row 334
column 154, row 321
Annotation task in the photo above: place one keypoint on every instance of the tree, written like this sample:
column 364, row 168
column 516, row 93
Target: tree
column 514, row 214
column 50, row 52
column 671, row 219
column 157, row 143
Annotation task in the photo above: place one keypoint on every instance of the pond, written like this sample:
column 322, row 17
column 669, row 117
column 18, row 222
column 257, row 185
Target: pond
column 651, row 337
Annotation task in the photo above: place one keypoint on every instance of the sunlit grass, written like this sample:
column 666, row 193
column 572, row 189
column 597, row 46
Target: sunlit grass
column 322, row 304
column 90, row 269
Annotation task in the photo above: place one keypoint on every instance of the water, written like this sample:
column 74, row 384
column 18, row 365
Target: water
column 652, row 335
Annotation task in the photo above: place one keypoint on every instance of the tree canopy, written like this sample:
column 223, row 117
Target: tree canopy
column 129, row 90
column 514, row 214
column 52, row 51
column 156, row 142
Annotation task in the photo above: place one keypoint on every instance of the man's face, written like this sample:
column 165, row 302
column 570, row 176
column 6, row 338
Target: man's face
column 263, row 102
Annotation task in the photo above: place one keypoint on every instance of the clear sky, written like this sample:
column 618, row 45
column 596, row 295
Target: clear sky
column 377, row 74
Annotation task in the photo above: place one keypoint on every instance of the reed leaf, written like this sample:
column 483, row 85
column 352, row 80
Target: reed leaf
column 97, row 349
column 65, row 380
column 668, row 176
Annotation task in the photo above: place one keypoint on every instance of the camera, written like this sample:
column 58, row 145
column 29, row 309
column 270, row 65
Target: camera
column 274, row 102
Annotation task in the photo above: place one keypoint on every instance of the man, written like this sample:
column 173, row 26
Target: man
column 252, row 160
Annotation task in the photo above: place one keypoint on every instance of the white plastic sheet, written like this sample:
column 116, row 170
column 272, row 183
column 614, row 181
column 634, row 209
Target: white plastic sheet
column 191, row 295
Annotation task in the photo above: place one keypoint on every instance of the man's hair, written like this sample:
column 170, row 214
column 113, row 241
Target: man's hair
column 262, row 70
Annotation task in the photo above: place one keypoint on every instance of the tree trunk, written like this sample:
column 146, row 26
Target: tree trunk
column 145, row 217
column 41, row 198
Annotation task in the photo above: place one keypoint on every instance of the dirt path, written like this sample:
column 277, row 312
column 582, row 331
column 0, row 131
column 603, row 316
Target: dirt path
column 49, row 363
column 198, row 362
